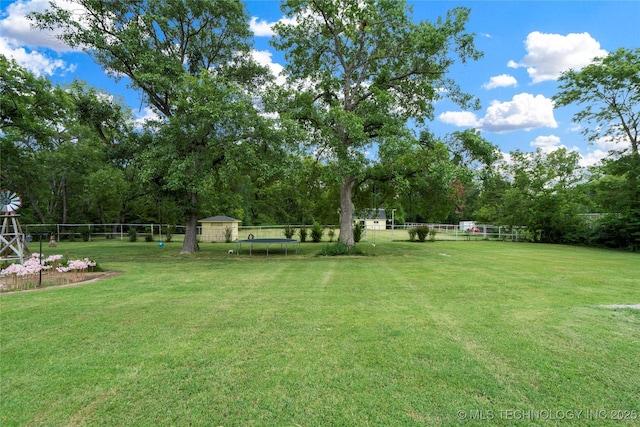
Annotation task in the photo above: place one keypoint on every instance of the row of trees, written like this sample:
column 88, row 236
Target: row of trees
column 228, row 140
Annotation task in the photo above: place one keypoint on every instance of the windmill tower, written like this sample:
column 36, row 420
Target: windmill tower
column 12, row 245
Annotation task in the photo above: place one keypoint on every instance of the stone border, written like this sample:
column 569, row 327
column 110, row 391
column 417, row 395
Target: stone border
column 98, row 277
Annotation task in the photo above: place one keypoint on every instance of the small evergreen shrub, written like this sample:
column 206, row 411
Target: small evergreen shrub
column 358, row 229
column 168, row 233
column 316, row 232
column 289, row 231
column 133, row 235
column 148, row 238
column 303, row 234
column 412, row 234
column 432, row 235
column 85, row 233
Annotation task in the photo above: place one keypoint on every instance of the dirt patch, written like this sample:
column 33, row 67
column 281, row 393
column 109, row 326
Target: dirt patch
column 633, row 306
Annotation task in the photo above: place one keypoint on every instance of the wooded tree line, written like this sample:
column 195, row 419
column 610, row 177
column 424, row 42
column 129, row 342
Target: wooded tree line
column 228, row 140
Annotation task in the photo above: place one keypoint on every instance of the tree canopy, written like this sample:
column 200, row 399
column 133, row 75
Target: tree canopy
column 349, row 127
column 191, row 62
column 361, row 71
column 608, row 91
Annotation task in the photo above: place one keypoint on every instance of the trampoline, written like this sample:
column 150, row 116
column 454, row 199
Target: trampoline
column 268, row 242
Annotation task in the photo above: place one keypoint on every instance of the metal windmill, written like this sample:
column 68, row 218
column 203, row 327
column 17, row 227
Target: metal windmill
column 12, row 246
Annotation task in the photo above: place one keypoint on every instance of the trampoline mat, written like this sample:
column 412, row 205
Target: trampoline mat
column 268, row 240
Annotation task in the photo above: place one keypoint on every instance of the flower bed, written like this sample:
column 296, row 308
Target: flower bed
column 54, row 270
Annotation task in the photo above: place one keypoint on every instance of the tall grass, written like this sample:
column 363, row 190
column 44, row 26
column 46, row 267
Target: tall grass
column 435, row 333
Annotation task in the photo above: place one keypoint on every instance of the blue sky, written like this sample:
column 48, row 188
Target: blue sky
column 526, row 45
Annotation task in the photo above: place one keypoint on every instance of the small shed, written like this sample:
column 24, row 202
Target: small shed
column 217, row 228
column 373, row 219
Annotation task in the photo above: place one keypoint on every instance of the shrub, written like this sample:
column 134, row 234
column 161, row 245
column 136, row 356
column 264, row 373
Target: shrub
column 289, row 231
column 228, row 234
column 85, row 233
column 332, row 234
column 133, row 235
column 168, row 232
column 340, row 249
column 412, row 234
column 303, row 234
column 423, row 232
column 316, row 232
column 432, row 235
column 148, row 238
column 358, row 229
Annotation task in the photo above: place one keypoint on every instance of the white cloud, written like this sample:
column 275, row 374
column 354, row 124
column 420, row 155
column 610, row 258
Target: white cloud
column 550, row 143
column 548, row 55
column 524, row 112
column 459, row 118
column 592, row 158
column 547, row 143
column 34, row 61
column 263, row 57
column 263, row 28
column 606, row 146
column 16, row 27
column 503, row 80
column 145, row 116
column 20, row 41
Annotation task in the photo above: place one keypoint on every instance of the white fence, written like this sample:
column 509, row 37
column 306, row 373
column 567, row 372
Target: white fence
column 154, row 231
column 109, row 231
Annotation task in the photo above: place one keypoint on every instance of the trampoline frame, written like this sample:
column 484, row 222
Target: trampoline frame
column 266, row 241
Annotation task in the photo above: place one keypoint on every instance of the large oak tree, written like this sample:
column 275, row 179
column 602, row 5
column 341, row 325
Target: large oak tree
column 608, row 91
column 361, row 70
column 191, row 61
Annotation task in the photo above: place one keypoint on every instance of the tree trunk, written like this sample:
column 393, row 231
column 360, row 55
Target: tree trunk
column 190, row 244
column 64, row 201
column 634, row 175
column 346, row 211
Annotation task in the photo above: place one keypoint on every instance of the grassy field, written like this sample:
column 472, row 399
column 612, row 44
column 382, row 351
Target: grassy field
column 435, row 333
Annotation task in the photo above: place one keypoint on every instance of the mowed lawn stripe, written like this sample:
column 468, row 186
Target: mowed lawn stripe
column 408, row 336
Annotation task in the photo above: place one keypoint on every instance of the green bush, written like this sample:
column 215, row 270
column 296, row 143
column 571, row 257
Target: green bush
column 423, row 232
column 289, row 231
column 148, row 238
column 340, row 249
column 316, row 232
column 168, row 233
column 85, row 233
column 332, row 234
column 133, row 235
column 358, row 229
column 412, row 234
column 432, row 235
column 303, row 234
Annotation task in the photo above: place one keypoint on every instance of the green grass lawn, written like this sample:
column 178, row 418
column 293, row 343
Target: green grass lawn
column 435, row 333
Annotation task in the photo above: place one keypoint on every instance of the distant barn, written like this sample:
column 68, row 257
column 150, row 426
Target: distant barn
column 215, row 229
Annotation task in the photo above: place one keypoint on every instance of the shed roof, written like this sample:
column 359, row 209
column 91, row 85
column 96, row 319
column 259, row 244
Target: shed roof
column 219, row 218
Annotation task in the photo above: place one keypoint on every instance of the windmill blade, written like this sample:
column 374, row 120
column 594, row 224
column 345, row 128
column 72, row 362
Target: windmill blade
column 9, row 201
